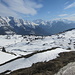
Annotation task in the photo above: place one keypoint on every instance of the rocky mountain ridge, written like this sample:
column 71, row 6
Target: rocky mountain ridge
column 11, row 25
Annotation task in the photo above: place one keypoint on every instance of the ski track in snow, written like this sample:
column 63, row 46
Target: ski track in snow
column 6, row 57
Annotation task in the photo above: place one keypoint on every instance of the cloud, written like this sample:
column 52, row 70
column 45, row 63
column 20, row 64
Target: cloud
column 68, row 17
column 66, row 3
column 72, row 18
column 16, row 7
column 70, row 6
column 4, row 11
column 61, row 15
column 72, row 14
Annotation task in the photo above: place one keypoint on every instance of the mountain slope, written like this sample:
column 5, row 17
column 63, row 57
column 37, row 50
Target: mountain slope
column 33, row 49
column 10, row 25
column 51, row 67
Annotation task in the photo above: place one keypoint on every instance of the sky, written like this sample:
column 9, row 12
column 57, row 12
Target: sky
column 38, row 9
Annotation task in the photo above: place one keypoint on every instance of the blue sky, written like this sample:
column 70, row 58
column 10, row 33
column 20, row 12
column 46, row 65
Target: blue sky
column 38, row 9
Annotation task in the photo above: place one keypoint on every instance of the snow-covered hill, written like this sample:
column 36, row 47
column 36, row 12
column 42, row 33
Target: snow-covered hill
column 5, row 57
column 27, row 62
column 43, row 45
column 19, row 44
column 11, row 25
column 22, row 45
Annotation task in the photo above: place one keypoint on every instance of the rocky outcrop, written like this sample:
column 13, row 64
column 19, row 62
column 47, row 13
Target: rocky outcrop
column 67, row 70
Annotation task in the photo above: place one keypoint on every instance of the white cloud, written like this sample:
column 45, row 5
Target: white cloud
column 61, row 15
column 69, row 17
column 16, row 7
column 72, row 18
column 66, row 3
column 4, row 11
column 56, row 19
column 72, row 14
column 70, row 6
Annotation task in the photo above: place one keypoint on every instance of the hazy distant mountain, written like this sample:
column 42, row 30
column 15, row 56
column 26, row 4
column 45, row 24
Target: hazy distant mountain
column 11, row 25
column 55, row 26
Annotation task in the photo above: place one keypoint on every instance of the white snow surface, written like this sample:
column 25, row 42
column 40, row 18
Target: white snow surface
column 23, row 45
column 6, row 40
column 27, row 44
column 27, row 62
column 6, row 57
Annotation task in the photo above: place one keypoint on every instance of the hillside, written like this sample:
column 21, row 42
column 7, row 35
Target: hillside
column 51, row 67
column 29, row 50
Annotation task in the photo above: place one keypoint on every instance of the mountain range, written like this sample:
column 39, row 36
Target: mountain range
column 11, row 25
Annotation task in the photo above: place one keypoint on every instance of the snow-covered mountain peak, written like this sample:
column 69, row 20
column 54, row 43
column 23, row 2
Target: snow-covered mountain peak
column 39, row 26
column 38, row 21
